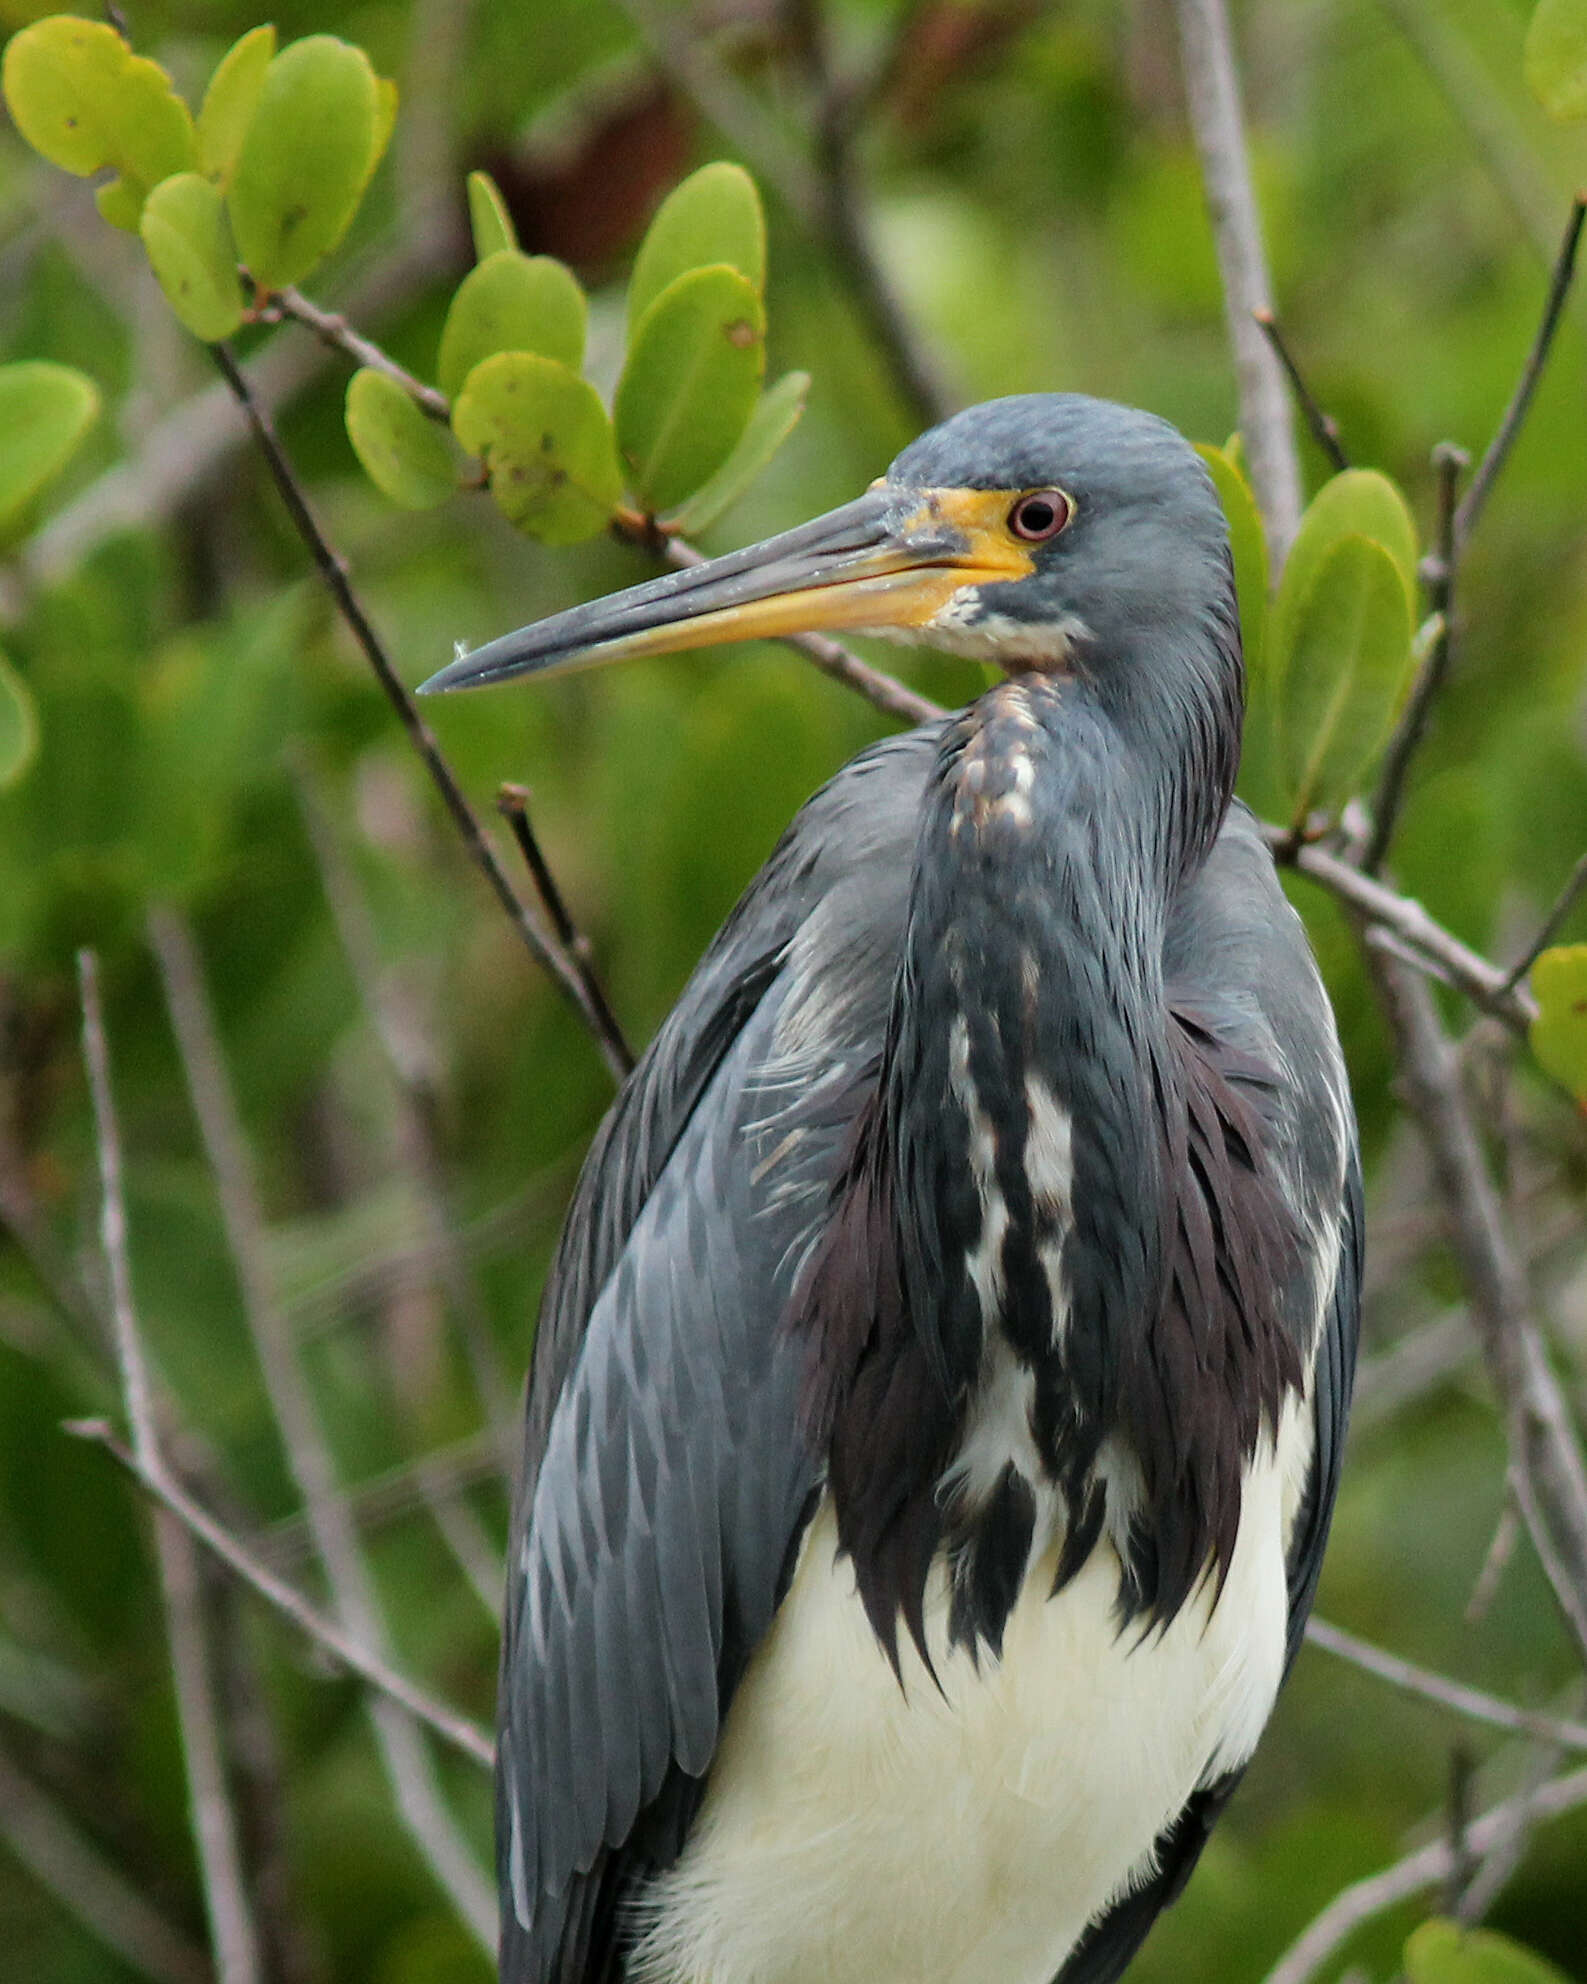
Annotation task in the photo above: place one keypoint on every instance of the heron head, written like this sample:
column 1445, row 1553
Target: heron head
column 1047, row 532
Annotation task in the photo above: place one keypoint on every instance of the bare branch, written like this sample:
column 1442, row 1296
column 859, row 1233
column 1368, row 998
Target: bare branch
column 232, row 1933
column 844, row 234
column 1364, row 1900
column 540, row 946
column 409, row 1767
column 512, row 802
column 334, row 331
column 1545, row 1457
column 1449, row 464
column 1324, row 428
column 1476, row 496
column 1212, row 96
column 466, row 1737
column 1437, row 949
column 85, row 1883
column 1474, row 1703
column 1551, row 925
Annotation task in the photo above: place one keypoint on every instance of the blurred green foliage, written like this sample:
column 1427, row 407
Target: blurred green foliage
column 174, row 683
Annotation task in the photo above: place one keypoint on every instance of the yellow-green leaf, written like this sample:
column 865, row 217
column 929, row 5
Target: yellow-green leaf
column 690, row 384
column 713, row 216
column 305, row 159
column 45, row 410
column 488, row 218
column 773, row 420
column 546, row 441
column 190, row 247
column 80, row 96
column 1555, row 58
column 230, row 102
column 1442, row 1952
column 404, row 453
column 512, row 302
column 1343, row 674
column 1358, row 502
column 1248, row 543
column 19, row 726
column 386, row 96
column 1559, row 1033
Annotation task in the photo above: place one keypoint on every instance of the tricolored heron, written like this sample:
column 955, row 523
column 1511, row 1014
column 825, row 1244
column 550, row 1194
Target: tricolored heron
column 938, row 1399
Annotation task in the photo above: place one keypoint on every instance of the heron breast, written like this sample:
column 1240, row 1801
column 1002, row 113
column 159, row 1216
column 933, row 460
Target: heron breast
column 870, row 1830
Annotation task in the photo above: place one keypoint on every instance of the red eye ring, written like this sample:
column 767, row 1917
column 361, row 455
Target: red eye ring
column 1040, row 515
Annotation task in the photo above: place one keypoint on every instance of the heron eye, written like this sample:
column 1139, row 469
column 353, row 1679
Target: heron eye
column 1039, row 516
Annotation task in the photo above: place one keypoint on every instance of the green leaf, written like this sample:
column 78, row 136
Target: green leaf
column 45, row 410
column 690, row 384
column 1344, row 672
column 713, row 216
column 545, row 439
column 1559, row 1033
column 1358, row 502
column 1555, row 58
column 1441, row 1952
column 488, row 217
column 773, row 420
column 511, row 302
column 19, row 726
column 305, row 160
column 1248, row 542
column 190, row 246
column 230, row 102
column 81, row 97
column 386, row 96
column 404, row 453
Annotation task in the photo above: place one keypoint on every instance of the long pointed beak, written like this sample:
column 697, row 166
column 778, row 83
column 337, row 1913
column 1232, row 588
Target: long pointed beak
column 892, row 560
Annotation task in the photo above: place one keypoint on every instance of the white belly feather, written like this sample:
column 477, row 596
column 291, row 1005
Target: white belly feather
column 856, row 1833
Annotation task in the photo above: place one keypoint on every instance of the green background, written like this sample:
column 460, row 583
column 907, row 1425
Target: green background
column 1035, row 198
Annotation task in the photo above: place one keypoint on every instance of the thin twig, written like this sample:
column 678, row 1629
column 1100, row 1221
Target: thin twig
column 1496, row 1560
column 446, row 1472
column 512, row 802
column 333, row 329
column 66, row 1862
column 1457, row 1809
column 1474, row 1703
column 1551, row 925
column 1324, row 428
column 409, row 1767
column 331, row 569
column 1212, row 96
column 1449, row 464
column 1545, row 1455
column 462, row 1735
column 232, row 1933
column 1481, row 981
column 844, row 234
column 440, row 1244
column 1364, row 1900
column 1488, row 1878
column 1481, row 486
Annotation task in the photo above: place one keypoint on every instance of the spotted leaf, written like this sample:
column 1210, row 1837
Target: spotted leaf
column 546, row 443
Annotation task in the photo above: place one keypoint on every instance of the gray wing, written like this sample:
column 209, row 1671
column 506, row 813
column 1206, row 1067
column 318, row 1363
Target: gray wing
column 665, row 1484
column 1239, row 940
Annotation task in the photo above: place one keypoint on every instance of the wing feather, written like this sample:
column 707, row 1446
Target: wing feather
column 665, row 1481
